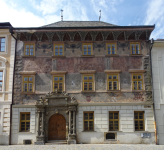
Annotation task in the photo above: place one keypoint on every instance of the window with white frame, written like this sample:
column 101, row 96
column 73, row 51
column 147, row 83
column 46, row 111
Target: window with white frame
column 2, row 44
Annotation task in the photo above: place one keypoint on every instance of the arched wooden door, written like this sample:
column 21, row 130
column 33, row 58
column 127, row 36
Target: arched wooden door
column 57, row 127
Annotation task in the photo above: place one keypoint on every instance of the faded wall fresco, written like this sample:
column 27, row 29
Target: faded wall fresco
column 73, row 64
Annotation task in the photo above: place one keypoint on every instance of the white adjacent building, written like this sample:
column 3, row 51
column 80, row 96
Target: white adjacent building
column 158, row 84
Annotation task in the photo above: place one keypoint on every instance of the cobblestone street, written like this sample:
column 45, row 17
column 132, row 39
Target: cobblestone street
column 84, row 147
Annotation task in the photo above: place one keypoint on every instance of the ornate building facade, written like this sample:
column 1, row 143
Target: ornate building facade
column 7, row 55
column 83, row 82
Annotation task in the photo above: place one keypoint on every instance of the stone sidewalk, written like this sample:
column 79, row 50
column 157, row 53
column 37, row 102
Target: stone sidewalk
column 84, row 147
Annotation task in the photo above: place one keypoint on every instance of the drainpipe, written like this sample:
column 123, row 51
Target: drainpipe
column 11, row 32
column 152, row 42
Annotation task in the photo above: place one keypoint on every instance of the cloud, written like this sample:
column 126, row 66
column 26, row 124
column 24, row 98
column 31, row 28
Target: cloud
column 18, row 17
column 73, row 9
column 107, row 7
column 155, row 15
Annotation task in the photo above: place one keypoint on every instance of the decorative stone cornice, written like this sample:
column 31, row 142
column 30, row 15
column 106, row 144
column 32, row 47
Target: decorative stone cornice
column 136, row 71
column 58, row 72
column 27, row 72
column 112, row 71
column 88, row 71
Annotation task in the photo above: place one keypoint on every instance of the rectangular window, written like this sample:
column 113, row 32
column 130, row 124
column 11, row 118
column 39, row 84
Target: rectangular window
column 2, row 44
column 58, row 83
column 111, row 48
column 114, row 121
column 1, row 80
column 88, row 121
column 25, row 122
column 139, row 121
column 135, row 48
column 58, row 49
column 137, row 80
column 29, row 50
column 28, row 84
column 88, row 82
column 87, row 48
column 112, row 81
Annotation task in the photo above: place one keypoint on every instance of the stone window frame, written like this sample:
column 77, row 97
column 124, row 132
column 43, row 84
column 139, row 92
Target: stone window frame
column 143, row 112
column 6, row 43
column 28, row 74
column 111, row 43
column 135, row 48
column 113, row 72
column 24, row 121
column 114, row 120
column 137, row 72
column 87, row 43
column 58, row 44
column 88, row 72
column 58, row 73
column 88, row 120
column 28, row 82
column 24, row 52
column 3, row 68
column 58, row 82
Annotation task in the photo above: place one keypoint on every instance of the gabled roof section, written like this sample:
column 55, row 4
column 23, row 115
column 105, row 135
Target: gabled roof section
column 79, row 24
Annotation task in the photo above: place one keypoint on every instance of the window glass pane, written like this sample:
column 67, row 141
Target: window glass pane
column 25, row 79
column 135, row 85
column 139, row 77
column 110, row 85
column 85, row 125
column 27, row 126
column 134, row 77
column 140, row 85
column 113, row 49
column 90, row 125
column 60, row 78
column 90, row 85
column 27, row 116
column 90, row 115
column 85, row 78
column 115, row 85
column 90, row 77
column 85, row 86
column 30, row 87
column 23, row 117
column 115, row 115
column 1, row 75
column 135, row 115
column 110, row 125
column 109, row 49
column 56, row 78
column 110, row 115
column 30, row 79
column 25, row 87
column 114, row 77
column 27, row 46
column 2, row 49
column 2, row 44
column 85, row 116
column 0, row 86
column 60, row 86
column 109, row 77
column 55, row 85
column 3, row 40
column 140, row 115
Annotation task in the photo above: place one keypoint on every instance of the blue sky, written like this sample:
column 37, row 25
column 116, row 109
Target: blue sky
column 35, row 13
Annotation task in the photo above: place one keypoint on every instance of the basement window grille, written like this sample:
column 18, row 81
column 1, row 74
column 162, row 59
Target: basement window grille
column 27, row 142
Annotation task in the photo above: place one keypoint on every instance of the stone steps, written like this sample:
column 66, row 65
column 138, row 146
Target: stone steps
column 56, row 142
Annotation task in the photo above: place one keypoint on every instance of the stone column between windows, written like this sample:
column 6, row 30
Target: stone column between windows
column 42, row 130
column 38, row 123
column 74, row 119
column 69, row 122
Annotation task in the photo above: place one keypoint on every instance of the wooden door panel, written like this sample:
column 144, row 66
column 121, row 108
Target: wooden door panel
column 57, row 127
